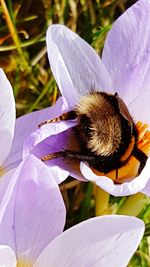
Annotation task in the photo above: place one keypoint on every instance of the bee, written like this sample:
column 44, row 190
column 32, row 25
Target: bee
column 106, row 132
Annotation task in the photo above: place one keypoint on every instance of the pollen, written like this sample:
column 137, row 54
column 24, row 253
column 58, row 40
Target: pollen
column 144, row 137
column 22, row 263
column 2, row 171
column 130, row 170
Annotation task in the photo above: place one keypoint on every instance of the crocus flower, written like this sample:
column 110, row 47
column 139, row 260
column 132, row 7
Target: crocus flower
column 7, row 118
column 32, row 216
column 13, row 132
column 125, row 69
column 32, row 211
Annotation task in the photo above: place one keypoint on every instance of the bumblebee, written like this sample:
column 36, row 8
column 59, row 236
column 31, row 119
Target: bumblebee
column 106, row 132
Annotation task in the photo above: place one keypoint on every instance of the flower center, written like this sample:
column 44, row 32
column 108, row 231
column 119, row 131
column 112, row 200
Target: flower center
column 130, row 170
column 2, row 171
column 22, row 263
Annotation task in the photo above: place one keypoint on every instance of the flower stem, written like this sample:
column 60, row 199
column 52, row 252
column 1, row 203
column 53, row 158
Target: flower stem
column 45, row 90
column 15, row 37
column 101, row 201
column 143, row 256
column 23, row 44
column 133, row 205
column 92, row 12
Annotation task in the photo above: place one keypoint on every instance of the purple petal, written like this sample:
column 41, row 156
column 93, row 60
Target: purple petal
column 6, row 188
column 53, row 138
column 35, row 213
column 126, row 52
column 47, row 133
column 125, row 189
column 146, row 189
column 139, row 108
column 75, row 65
column 27, row 124
column 7, row 257
column 7, row 116
column 100, row 241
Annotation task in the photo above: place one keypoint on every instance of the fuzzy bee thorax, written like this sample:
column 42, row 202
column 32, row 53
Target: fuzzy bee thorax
column 96, row 113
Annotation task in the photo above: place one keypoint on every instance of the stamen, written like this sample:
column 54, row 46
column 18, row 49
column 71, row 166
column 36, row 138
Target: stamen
column 144, row 137
column 2, row 171
column 22, row 263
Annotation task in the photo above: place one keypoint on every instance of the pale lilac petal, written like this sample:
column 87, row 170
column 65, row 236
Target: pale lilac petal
column 7, row 257
column 53, row 138
column 35, row 213
column 7, row 185
column 7, row 116
column 101, row 241
column 146, row 189
column 27, row 124
column 140, row 108
column 59, row 173
column 75, row 65
column 46, row 136
column 125, row 189
column 126, row 53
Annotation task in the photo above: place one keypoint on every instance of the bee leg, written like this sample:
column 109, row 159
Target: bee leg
column 53, row 156
column 67, row 154
column 116, row 181
column 141, row 156
column 116, row 174
column 70, row 115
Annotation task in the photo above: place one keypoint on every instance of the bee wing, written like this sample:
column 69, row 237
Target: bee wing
column 124, row 110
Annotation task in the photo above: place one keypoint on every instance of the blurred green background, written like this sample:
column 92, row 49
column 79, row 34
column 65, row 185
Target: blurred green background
column 23, row 57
